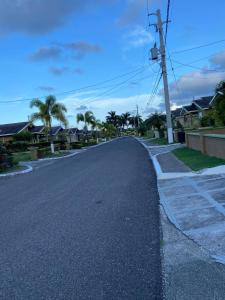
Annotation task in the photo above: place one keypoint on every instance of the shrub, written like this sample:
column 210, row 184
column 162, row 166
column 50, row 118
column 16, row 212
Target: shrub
column 23, row 136
column 19, row 146
column 21, row 156
column 42, row 152
column 76, row 145
column 6, row 160
column 90, row 143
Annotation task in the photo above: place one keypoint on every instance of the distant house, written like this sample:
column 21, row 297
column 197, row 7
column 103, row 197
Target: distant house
column 71, row 135
column 190, row 116
column 7, row 131
column 38, row 133
column 203, row 104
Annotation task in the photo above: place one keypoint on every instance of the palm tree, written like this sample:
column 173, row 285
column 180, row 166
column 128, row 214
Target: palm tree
column 47, row 111
column 156, row 121
column 112, row 118
column 125, row 118
column 87, row 118
column 96, row 125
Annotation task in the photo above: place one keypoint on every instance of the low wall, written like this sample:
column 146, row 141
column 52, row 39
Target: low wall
column 210, row 144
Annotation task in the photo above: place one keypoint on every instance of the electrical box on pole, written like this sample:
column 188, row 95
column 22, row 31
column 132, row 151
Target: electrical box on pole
column 154, row 53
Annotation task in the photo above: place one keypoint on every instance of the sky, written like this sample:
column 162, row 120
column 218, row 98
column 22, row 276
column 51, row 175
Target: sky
column 94, row 55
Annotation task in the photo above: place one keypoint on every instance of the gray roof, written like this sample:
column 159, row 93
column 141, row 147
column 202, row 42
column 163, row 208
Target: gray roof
column 37, row 129
column 203, row 102
column 13, row 128
column 177, row 112
column 190, row 108
column 56, row 129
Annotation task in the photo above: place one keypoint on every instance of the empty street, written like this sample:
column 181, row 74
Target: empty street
column 85, row 227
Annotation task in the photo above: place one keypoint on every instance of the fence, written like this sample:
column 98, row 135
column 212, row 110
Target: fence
column 208, row 143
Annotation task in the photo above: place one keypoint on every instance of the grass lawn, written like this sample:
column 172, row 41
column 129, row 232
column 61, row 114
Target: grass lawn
column 160, row 141
column 22, row 156
column 196, row 160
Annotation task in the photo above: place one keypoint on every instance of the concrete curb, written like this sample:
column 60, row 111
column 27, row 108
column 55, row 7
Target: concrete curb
column 173, row 175
column 28, row 170
column 60, row 157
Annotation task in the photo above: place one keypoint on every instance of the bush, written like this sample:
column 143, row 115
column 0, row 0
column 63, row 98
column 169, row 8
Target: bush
column 21, row 156
column 43, row 152
column 6, row 160
column 90, row 143
column 19, row 146
column 76, row 145
column 23, row 136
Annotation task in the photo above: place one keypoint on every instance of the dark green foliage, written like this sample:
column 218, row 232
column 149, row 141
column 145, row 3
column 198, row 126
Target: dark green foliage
column 6, row 160
column 90, row 143
column 76, row 145
column 23, row 136
column 19, row 146
column 208, row 121
column 43, row 152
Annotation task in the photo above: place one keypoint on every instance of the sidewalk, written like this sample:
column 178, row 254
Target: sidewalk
column 195, row 204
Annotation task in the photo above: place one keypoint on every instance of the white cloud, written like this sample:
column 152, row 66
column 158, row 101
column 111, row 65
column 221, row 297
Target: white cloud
column 102, row 106
column 138, row 37
column 218, row 60
column 193, row 85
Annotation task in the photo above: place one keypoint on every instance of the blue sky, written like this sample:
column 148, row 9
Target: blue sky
column 54, row 46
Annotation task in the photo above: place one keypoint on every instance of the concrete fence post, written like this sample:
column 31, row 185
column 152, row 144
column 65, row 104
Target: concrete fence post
column 187, row 139
column 202, row 143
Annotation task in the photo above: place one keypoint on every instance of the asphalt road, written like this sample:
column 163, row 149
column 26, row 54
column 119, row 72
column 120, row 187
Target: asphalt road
column 85, row 227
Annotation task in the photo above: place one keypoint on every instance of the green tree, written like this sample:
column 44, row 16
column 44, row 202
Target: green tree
column 125, row 119
column 47, row 111
column 112, row 118
column 87, row 118
column 157, row 121
column 219, row 103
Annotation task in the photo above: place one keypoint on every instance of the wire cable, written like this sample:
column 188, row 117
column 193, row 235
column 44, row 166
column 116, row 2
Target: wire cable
column 198, row 47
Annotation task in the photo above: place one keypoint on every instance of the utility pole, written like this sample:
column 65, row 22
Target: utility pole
column 137, row 116
column 164, row 74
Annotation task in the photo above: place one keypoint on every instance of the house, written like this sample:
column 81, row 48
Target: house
column 189, row 116
column 203, row 104
column 7, row 131
column 38, row 133
column 71, row 135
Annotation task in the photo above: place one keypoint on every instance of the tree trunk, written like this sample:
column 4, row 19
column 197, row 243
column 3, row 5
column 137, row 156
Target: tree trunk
column 51, row 139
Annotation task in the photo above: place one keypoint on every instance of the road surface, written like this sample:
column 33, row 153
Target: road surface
column 85, row 227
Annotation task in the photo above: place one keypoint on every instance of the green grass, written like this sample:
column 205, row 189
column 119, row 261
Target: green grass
column 21, row 156
column 160, row 141
column 196, row 160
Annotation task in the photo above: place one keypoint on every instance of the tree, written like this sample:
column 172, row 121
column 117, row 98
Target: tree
column 157, row 121
column 88, row 119
column 112, row 118
column 125, row 118
column 47, row 111
column 219, row 103
column 135, row 121
column 108, row 129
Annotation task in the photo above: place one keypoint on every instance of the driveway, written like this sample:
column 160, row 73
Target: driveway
column 86, row 227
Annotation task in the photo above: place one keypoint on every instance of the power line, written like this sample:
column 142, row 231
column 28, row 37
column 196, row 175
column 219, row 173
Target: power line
column 198, row 68
column 167, row 19
column 79, row 89
column 198, row 47
column 108, row 92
